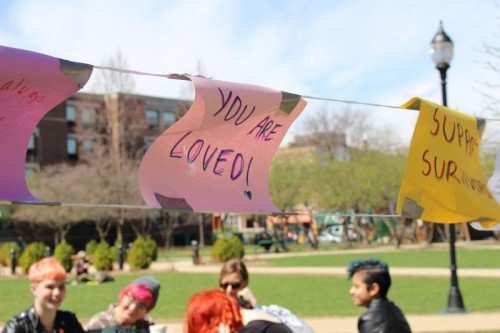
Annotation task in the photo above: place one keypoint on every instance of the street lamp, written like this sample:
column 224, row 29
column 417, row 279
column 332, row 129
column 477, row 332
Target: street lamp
column 441, row 51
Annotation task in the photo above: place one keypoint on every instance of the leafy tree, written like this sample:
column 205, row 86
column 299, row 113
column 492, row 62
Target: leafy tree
column 57, row 183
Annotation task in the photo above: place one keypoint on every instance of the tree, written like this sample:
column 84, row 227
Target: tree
column 119, row 146
column 288, row 186
column 343, row 163
column 56, row 183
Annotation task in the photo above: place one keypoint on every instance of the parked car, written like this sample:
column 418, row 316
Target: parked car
column 334, row 233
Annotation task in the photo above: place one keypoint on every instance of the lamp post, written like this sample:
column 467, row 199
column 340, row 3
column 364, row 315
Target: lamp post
column 441, row 51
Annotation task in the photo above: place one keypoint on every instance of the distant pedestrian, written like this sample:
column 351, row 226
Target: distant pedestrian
column 370, row 283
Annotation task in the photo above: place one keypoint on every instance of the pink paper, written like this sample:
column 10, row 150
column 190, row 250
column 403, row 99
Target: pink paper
column 217, row 157
column 30, row 85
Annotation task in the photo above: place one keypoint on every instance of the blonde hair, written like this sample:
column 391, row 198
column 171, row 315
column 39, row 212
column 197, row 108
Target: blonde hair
column 47, row 268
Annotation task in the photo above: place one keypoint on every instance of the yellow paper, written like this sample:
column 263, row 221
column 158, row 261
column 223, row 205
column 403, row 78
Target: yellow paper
column 443, row 181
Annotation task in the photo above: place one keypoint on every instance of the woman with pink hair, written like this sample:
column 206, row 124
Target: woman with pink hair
column 130, row 314
column 48, row 286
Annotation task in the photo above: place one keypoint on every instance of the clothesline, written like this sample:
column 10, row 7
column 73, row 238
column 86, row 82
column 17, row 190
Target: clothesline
column 185, row 77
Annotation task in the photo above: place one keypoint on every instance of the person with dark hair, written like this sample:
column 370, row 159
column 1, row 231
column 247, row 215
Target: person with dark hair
column 48, row 286
column 82, row 266
column 129, row 315
column 370, row 283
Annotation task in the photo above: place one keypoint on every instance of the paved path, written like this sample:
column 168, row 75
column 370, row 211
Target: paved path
column 470, row 322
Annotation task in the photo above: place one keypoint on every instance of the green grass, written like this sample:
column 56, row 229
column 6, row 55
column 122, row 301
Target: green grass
column 305, row 295
column 466, row 258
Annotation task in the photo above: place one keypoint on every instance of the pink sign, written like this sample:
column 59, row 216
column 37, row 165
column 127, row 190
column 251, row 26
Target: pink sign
column 217, row 157
column 30, row 85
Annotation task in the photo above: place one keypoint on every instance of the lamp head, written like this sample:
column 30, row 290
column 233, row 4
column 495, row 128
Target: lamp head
column 441, row 48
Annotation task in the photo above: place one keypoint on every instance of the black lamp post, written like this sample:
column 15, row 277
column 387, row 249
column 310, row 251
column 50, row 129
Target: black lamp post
column 441, row 51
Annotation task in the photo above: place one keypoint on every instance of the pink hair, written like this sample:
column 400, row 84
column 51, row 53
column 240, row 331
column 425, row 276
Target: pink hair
column 206, row 310
column 47, row 268
column 140, row 293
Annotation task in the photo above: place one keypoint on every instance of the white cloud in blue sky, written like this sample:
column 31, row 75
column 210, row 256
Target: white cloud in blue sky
column 362, row 50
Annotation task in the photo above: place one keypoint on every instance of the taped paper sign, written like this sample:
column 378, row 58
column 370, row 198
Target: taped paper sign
column 217, row 157
column 443, row 181
column 31, row 84
column 494, row 187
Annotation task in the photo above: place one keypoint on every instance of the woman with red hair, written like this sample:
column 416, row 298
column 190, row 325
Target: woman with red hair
column 48, row 286
column 129, row 315
column 215, row 312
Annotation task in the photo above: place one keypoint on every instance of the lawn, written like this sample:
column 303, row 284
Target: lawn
column 466, row 258
column 305, row 295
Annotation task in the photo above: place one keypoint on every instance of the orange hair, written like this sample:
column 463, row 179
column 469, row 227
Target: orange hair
column 47, row 268
column 206, row 310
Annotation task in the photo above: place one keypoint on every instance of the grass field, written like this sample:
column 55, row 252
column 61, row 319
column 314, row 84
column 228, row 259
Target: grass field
column 305, row 295
column 466, row 258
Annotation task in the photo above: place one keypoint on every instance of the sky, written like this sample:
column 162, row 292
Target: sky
column 354, row 50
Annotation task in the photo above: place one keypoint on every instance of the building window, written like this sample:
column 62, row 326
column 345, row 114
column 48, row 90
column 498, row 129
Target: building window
column 152, row 119
column 88, row 145
column 72, row 146
column 32, row 143
column 88, row 118
column 168, row 118
column 70, row 115
column 31, row 153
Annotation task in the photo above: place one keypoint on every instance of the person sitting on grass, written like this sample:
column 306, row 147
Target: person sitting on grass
column 82, row 266
column 370, row 283
column 48, row 286
column 130, row 314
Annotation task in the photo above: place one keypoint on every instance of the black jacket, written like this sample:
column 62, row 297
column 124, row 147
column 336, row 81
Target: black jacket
column 383, row 316
column 28, row 321
column 264, row 326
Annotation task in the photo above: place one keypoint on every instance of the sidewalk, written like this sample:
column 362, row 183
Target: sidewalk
column 469, row 322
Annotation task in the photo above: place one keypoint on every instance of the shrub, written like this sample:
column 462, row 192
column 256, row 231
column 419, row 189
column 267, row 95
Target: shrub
column 33, row 252
column 225, row 248
column 90, row 247
column 138, row 257
column 151, row 248
column 5, row 253
column 102, row 258
column 63, row 253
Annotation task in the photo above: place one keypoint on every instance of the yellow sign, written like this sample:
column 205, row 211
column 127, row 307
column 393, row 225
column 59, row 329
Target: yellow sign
column 443, row 181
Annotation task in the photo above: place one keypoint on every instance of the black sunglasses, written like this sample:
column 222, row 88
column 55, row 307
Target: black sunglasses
column 233, row 285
